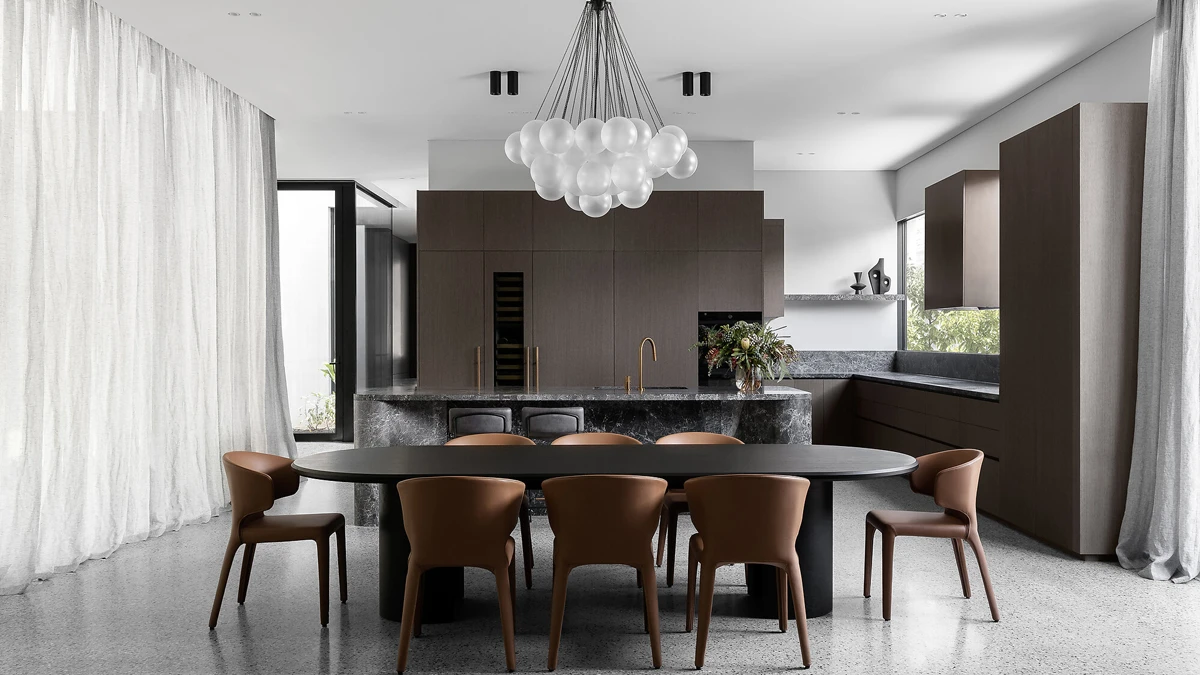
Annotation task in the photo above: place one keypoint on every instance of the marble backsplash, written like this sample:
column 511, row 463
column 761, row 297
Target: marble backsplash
column 842, row 363
column 977, row 367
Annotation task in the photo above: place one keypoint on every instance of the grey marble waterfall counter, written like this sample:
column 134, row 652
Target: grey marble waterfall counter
column 416, row 416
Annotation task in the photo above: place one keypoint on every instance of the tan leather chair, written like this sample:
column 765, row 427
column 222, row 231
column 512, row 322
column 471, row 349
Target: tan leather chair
column 951, row 477
column 676, row 501
column 460, row 521
column 595, row 438
column 526, row 537
column 746, row 519
column 604, row 520
column 256, row 480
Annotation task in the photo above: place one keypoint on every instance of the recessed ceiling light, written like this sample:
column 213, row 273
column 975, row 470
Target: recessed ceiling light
column 939, row 15
column 255, row 14
column 362, row 112
column 806, row 153
column 960, row 16
column 841, row 113
column 854, row 113
column 234, row 14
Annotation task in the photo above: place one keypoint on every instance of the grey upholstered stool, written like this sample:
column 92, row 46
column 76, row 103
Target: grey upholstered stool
column 551, row 422
column 467, row 421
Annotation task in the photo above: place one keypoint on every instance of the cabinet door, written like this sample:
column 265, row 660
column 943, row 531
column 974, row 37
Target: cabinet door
column 772, row 262
column 730, row 281
column 655, row 297
column 573, row 317
column 817, row 389
column 730, row 220
column 666, row 223
column 508, row 220
column 450, row 220
column 507, row 333
column 558, row 228
column 450, row 317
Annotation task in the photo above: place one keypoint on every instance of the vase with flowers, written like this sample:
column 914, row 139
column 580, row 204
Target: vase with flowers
column 751, row 350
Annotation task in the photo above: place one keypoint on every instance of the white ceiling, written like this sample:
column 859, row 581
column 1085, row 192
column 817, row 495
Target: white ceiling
column 782, row 70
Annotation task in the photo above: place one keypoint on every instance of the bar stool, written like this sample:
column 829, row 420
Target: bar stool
column 526, row 537
column 675, row 502
column 256, row 480
column 604, row 520
column 951, row 477
column 596, row 438
column 460, row 521
column 746, row 519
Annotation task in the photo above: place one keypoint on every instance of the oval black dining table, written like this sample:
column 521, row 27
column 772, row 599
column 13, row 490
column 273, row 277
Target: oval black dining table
column 821, row 464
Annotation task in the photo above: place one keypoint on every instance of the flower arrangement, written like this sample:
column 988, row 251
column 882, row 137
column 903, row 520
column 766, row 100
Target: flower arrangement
column 751, row 350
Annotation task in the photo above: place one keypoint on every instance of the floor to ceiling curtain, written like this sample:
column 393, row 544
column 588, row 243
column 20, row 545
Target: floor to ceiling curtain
column 1160, row 535
column 139, row 303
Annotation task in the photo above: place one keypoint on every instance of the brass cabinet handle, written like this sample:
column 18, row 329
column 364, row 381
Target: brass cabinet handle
column 478, row 367
column 537, row 368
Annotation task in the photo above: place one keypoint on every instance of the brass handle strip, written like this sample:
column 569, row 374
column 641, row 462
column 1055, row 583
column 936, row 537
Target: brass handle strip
column 478, row 367
column 537, row 368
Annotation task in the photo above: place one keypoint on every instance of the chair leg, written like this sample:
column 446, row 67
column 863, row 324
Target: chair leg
column 412, row 589
column 960, row 559
column 662, row 536
column 558, row 606
column 247, row 563
column 889, row 545
column 650, row 603
column 526, row 544
column 797, row 583
column 419, row 615
column 645, row 607
column 693, row 565
column 512, row 583
column 230, row 550
column 672, row 531
column 708, row 578
column 504, row 592
column 341, row 550
column 868, row 556
column 781, row 596
column 639, row 578
column 977, row 546
column 323, row 572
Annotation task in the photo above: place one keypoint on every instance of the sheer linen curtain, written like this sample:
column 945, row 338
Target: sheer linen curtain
column 139, row 305
column 1160, row 535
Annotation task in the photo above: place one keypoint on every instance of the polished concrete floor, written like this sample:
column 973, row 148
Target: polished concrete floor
column 145, row 610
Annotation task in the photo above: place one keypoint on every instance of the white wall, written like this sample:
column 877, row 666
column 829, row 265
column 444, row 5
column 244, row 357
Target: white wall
column 481, row 165
column 835, row 223
column 1118, row 73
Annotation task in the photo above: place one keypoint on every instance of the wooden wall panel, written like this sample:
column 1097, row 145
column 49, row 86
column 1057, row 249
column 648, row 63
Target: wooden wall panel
column 450, row 220
column 573, row 320
column 730, row 281
column 508, row 220
column 655, row 297
column 730, row 220
column 666, row 223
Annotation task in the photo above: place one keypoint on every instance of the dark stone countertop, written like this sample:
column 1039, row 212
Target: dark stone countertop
column 769, row 392
column 986, row 391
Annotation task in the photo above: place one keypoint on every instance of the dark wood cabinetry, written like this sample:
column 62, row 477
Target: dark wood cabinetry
column 962, row 241
column 730, row 281
column 573, row 317
column 558, row 228
column 772, row 262
column 729, row 220
column 666, row 223
column 450, row 220
column 832, row 409
column 450, row 316
column 656, row 297
column 507, row 221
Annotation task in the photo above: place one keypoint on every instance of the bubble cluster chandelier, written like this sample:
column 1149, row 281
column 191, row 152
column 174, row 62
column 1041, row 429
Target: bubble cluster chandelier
column 592, row 141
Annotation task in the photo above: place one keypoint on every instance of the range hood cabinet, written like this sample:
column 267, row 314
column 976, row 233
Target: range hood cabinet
column 962, row 241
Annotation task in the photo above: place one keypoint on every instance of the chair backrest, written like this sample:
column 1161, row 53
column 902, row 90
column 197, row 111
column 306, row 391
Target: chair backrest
column 748, row 518
column 459, row 521
column 604, row 518
column 256, row 480
column 698, row 438
column 490, row 439
column 951, row 477
column 596, row 438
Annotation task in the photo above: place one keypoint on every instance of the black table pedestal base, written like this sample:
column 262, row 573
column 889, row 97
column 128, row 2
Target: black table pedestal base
column 815, row 548
column 443, row 586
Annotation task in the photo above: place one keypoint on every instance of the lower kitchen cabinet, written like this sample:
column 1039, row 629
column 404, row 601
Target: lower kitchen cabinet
column 832, row 409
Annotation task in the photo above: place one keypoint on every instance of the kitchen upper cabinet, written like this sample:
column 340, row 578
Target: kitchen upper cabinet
column 772, row 263
column 655, row 296
column 730, row 281
column 556, row 227
column 665, row 223
column 573, row 317
column 450, row 318
column 508, row 220
column 450, row 220
column 729, row 220
column 962, row 241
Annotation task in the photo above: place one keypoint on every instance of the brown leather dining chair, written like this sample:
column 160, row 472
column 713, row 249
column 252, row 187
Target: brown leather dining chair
column 596, row 438
column 746, row 519
column 256, row 480
column 604, row 520
column 526, row 537
column 460, row 521
column 951, row 477
column 676, row 501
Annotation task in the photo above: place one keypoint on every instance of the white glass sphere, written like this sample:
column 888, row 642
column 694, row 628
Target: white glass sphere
column 619, row 135
column 573, row 157
column 677, row 132
column 570, row 184
column 595, row 206
column 527, row 156
column 572, row 201
column 593, row 178
column 547, row 170
column 665, row 150
column 557, row 135
column 645, row 133
column 529, row 136
column 551, row 193
column 607, row 157
column 512, row 147
column 638, row 196
column 612, row 191
column 686, row 166
column 587, row 136
column 628, row 173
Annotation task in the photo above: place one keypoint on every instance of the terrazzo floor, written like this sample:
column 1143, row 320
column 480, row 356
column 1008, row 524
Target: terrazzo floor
column 145, row 610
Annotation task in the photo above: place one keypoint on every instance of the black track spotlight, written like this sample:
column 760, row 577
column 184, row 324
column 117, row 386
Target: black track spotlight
column 706, row 83
column 512, row 83
column 688, row 83
column 495, row 83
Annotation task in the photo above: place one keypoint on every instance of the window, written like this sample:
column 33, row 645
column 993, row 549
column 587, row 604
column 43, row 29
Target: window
column 969, row 331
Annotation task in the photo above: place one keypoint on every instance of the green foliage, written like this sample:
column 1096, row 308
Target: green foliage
column 752, row 346
column 320, row 410
column 968, row 331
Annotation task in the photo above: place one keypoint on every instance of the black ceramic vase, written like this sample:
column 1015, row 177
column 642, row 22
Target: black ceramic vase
column 858, row 285
column 880, row 282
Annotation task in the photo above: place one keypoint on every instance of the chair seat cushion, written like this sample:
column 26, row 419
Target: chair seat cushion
column 292, row 528
column 920, row 524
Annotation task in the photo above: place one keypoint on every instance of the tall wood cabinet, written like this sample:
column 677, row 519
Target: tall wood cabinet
column 573, row 321
column 450, row 316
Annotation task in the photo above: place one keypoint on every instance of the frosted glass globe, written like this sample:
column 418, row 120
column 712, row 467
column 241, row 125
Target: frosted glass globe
column 529, row 136
column 653, row 171
column 527, row 156
column 552, row 193
column 557, row 135
column 619, row 135
column 573, row 157
column 638, row 196
column 686, row 165
column 677, row 132
column 570, row 184
column 547, row 170
column 587, row 136
column 595, row 206
column 665, row 150
column 512, row 147
column 612, row 190
column 645, row 133
column 593, row 178
column 628, row 173
column 607, row 157
column 572, row 201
